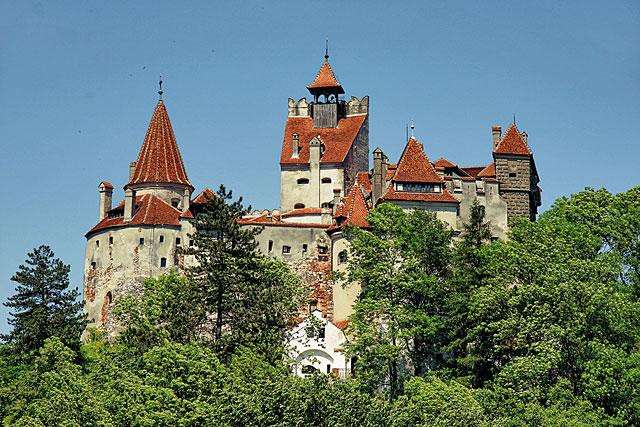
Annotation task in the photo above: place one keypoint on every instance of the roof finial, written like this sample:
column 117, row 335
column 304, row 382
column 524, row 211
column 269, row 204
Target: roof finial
column 326, row 49
column 160, row 92
column 514, row 118
column 413, row 126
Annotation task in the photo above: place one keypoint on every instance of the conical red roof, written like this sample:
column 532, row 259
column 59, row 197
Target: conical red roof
column 325, row 79
column 159, row 160
column 414, row 166
column 512, row 143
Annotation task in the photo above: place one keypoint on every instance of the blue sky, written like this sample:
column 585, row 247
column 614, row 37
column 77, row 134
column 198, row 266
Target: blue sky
column 78, row 84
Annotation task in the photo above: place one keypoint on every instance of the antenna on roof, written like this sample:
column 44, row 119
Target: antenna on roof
column 160, row 92
column 326, row 49
column 514, row 118
column 413, row 126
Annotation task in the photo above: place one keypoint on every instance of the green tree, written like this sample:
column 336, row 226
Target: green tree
column 43, row 306
column 244, row 298
column 402, row 265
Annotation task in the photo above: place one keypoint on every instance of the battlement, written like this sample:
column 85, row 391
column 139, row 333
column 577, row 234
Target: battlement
column 299, row 108
column 358, row 106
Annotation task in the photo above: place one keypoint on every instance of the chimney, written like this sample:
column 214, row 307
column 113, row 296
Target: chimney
column 106, row 191
column 186, row 195
column 129, row 203
column 296, row 146
column 132, row 170
column 336, row 199
column 497, row 134
column 378, row 178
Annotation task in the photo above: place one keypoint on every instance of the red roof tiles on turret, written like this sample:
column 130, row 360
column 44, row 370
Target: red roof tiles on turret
column 106, row 184
column 337, row 141
column 325, row 79
column 159, row 160
column 414, row 166
column 353, row 209
column 512, row 143
column 149, row 210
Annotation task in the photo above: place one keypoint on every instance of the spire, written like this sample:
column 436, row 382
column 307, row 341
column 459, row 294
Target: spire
column 512, row 143
column 160, row 92
column 159, row 160
column 325, row 81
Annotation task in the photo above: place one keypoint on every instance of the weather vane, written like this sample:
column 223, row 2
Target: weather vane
column 160, row 92
column 413, row 127
column 326, row 49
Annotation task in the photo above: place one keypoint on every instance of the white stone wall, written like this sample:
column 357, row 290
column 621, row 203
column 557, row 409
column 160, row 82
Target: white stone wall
column 343, row 296
column 121, row 266
column 291, row 192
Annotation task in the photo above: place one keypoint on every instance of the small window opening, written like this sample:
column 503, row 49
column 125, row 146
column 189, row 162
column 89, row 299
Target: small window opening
column 93, row 265
column 109, row 297
column 141, row 241
column 298, row 206
column 270, row 246
column 322, row 249
column 326, row 180
column 308, row 369
column 286, row 249
column 178, row 241
column 161, row 239
column 321, row 333
column 342, row 257
column 304, row 248
column 191, row 243
column 111, row 240
column 512, row 174
column 328, row 368
column 175, row 202
column 303, row 181
column 163, row 262
column 98, row 243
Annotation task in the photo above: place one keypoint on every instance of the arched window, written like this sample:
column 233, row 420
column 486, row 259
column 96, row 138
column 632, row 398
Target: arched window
column 303, row 181
column 326, row 180
column 298, row 206
column 109, row 298
column 342, row 256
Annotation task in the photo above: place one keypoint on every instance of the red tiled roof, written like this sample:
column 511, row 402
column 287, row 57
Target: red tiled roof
column 150, row 210
column 364, row 181
column 443, row 163
column 414, row 166
column 302, row 212
column 275, row 221
column 444, row 197
column 488, row 171
column 472, row 170
column 325, row 79
column 337, row 141
column 341, row 324
column 354, row 208
column 159, row 160
column 512, row 143
column 106, row 184
column 204, row 196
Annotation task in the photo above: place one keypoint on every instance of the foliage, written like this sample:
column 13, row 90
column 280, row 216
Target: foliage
column 43, row 306
column 402, row 264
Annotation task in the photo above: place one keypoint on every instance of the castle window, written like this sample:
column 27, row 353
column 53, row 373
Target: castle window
column 342, row 257
column 512, row 174
column 322, row 249
column 286, row 249
column 93, row 265
column 313, row 306
column 270, row 246
column 161, row 239
column 328, row 368
column 109, row 297
column 141, row 241
column 163, row 262
column 98, row 243
column 298, row 206
column 480, row 186
column 326, row 180
column 191, row 242
column 304, row 248
column 178, row 241
column 303, row 180
column 175, row 202
column 308, row 369
column 457, row 186
column 111, row 240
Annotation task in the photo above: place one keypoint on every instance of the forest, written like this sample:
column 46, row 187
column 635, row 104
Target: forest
column 540, row 329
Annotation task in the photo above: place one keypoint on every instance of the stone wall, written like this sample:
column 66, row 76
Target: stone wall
column 357, row 159
column 514, row 175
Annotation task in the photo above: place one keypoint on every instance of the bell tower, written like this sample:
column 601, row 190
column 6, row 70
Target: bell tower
column 326, row 108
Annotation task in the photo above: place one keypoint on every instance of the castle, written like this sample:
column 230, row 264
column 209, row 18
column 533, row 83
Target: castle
column 325, row 183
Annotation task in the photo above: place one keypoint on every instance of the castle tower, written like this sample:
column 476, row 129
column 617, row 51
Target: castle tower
column 325, row 145
column 140, row 236
column 516, row 172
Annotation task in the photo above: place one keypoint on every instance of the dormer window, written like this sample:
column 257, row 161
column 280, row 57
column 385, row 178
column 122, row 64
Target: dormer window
column 418, row 187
